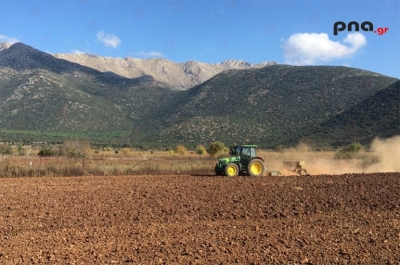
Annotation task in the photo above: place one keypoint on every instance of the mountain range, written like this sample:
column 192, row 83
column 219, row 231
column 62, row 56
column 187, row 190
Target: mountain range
column 176, row 75
column 158, row 103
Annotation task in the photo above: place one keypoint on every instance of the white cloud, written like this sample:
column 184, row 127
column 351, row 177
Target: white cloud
column 310, row 48
column 4, row 38
column 355, row 40
column 109, row 40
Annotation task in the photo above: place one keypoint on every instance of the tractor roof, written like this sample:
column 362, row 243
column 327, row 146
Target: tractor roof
column 246, row 145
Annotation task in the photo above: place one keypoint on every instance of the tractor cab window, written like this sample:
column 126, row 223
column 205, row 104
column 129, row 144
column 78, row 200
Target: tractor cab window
column 252, row 152
column 246, row 151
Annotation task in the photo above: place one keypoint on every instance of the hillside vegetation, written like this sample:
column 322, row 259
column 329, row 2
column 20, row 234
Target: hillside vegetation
column 378, row 115
column 44, row 98
column 271, row 106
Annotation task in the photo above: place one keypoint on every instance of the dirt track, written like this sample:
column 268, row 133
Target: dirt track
column 346, row 219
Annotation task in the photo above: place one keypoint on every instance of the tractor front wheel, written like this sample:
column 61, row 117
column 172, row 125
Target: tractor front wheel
column 217, row 171
column 232, row 170
column 256, row 167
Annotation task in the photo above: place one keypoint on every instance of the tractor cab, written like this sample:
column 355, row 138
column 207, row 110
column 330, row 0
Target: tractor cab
column 243, row 150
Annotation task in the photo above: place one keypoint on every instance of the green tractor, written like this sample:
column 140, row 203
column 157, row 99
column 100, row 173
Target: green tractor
column 243, row 160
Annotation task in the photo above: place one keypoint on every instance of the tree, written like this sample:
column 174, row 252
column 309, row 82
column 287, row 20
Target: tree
column 76, row 149
column 180, row 149
column 201, row 150
column 215, row 148
column 19, row 149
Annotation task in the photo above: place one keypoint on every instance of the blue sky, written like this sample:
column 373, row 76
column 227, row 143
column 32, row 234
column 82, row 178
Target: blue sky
column 288, row 32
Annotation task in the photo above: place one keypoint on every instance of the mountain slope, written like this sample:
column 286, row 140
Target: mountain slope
column 376, row 116
column 176, row 75
column 43, row 93
column 272, row 105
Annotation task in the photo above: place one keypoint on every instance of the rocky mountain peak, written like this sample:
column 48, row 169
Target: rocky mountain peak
column 23, row 57
column 21, row 47
column 236, row 63
column 180, row 76
column 4, row 45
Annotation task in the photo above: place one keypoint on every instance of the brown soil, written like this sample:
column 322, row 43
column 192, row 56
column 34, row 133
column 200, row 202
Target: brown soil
column 326, row 219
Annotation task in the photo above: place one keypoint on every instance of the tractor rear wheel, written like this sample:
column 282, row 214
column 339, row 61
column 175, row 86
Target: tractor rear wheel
column 256, row 167
column 232, row 170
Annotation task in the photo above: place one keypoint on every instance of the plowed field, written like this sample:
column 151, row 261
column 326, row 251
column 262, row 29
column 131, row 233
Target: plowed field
column 325, row 219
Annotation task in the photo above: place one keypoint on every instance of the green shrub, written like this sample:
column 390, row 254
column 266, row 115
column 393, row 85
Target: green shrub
column 215, row 148
column 180, row 149
column 5, row 149
column 46, row 152
column 201, row 150
column 349, row 152
column 125, row 151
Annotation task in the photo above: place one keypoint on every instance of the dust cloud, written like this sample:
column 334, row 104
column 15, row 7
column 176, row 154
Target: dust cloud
column 388, row 153
column 383, row 155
